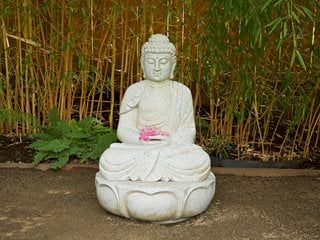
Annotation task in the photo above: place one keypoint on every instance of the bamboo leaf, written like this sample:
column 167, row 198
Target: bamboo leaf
column 295, row 17
column 277, row 3
column 274, row 24
column 300, row 59
column 257, row 34
column 229, row 4
column 307, row 12
column 284, row 29
column 293, row 57
column 299, row 10
column 280, row 43
column 265, row 5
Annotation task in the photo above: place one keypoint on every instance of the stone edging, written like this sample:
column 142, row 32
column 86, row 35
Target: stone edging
column 265, row 172
column 253, row 172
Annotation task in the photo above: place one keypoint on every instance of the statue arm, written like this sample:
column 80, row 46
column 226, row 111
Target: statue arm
column 186, row 132
column 127, row 131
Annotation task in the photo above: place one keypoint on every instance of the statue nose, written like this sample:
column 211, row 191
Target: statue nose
column 157, row 66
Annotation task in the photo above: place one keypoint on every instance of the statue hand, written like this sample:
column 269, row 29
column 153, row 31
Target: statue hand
column 157, row 140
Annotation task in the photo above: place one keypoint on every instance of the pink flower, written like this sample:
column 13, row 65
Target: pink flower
column 148, row 131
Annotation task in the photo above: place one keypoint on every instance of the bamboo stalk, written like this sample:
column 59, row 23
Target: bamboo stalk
column 113, row 65
column 6, row 55
column 314, row 121
column 23, row 84
column 123, row 54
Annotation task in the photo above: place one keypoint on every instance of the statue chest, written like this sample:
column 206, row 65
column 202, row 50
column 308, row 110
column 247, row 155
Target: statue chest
column 154, row 104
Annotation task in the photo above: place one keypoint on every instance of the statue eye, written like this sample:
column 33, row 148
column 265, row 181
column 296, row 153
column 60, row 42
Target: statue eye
column 163, row 60
column 150, row 61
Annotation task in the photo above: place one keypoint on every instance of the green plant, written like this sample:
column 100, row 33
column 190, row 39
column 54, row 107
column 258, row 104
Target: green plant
column 17, row 117
column 218, row 146
column 61, row 140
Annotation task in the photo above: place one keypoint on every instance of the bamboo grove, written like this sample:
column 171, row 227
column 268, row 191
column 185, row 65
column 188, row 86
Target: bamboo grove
column 253, row 66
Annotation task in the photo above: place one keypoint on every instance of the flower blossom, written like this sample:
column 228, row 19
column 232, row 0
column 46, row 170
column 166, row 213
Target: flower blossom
column 148, row 131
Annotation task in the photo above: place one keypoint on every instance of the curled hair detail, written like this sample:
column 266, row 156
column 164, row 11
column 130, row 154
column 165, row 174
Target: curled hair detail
column 158, row 43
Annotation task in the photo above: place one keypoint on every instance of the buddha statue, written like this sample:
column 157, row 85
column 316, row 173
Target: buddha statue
column 156, row 159
column 163, row 108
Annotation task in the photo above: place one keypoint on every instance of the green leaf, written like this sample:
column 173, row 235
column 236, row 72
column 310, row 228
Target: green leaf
column 77, row 135
column 62, row 128
column 53, row 115
column 307, row 12
column 76, row 150
column 265, row 5
column 55, row 145
column 280, row 43
column 17, row 116
column 101, row 130
column 295, row 17
column 256, row 35
column 274, row 24
column 293, row 57
column 277, row 3
column 41, row 135
column 38, row 157
column 300, row 59
column 228, row 4
column 201, row 123
column 53, row 155
column 284, row 29
column 85, row 139
column 62, row 160
column 103, row 143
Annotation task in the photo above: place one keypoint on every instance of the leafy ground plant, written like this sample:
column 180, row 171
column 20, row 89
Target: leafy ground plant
column 61, row 140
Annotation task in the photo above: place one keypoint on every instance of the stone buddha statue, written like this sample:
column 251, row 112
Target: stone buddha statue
column 156, row 173
column 163, row 108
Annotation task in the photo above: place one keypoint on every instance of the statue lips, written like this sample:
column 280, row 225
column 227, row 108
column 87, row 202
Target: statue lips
column 157, row 74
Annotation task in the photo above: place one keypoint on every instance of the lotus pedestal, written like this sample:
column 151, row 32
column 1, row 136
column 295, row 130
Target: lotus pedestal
column 163, row 202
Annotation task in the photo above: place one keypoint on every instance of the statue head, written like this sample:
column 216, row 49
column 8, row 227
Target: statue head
column 158, row 58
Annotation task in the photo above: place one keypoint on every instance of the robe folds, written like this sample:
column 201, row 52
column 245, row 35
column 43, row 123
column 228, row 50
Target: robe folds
column 177, row 159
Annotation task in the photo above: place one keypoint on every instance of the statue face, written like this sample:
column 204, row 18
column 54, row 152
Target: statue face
column 158, row 67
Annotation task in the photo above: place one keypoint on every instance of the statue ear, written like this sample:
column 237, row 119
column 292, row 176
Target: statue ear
column 142, row 67
column 172, row 69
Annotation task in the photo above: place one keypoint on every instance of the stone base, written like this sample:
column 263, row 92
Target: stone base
column 162, row 202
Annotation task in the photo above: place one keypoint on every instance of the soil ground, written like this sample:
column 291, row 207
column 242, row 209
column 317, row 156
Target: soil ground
column 62, row 205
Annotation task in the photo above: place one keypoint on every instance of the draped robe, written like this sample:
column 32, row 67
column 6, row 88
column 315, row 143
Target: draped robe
column 178, row 159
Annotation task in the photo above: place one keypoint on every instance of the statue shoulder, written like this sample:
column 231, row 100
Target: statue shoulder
column 181, row 87
column 132, row 97
column 138, row 86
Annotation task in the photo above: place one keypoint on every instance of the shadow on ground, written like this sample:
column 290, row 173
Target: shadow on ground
column 62, row 205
